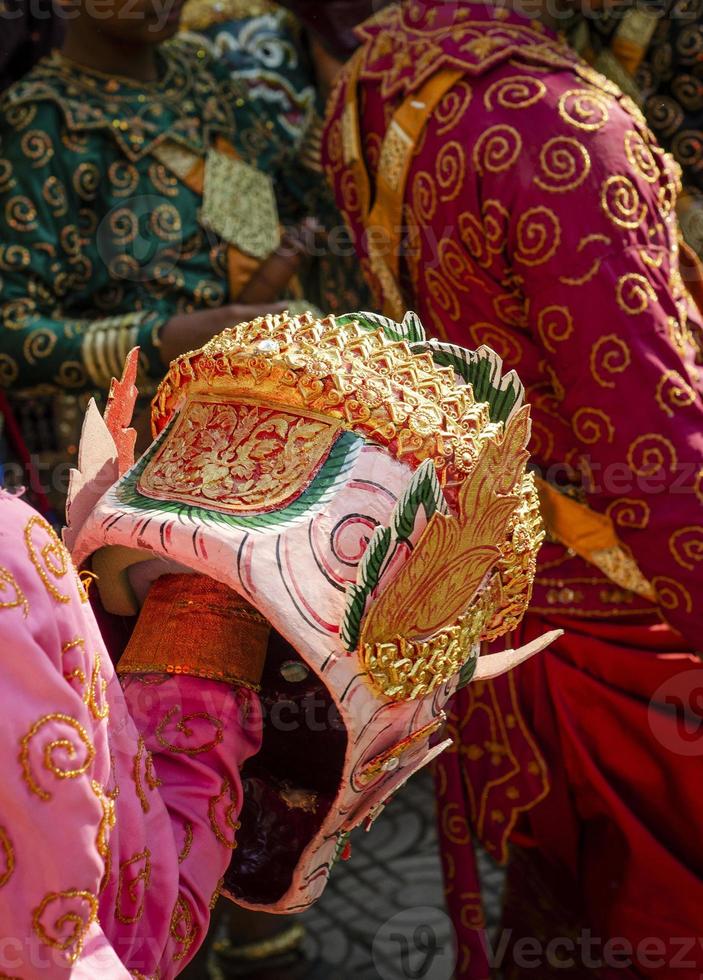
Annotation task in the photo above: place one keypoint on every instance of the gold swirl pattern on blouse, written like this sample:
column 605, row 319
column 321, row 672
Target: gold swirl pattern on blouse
column 674, row 392
column 62, row 921
column 564, row 164
column 514, row 92
column 629, row 512
column 672, row 595
column 37, row 147
column 686, row 546
column 634, row 293
column 7, row 863
column 497, row 149
column 11, row 595
column 73, row 657
column 66, row 751
column 178, row 736
column 132, row 885
column 20, row 214
column 7, row 180
column 183, row 928
column 50, row 557
column 9, row 370
column 641, row 157
column 451, row 108
column 650, row 454
column 85, row 180
column 609, row 355
column 584, row 108
column 555, row 324
column 474, row 238
column 592, row 425
column 538, row 236
column 621, row 202
column 496, row 222
column 105, row 827
column 123, row 177
column 450, row 169
column 424, row 196
column 39, row 344
column 222, row 813
column 54, row 193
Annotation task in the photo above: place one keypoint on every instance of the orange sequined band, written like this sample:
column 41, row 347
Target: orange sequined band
column 193, row 625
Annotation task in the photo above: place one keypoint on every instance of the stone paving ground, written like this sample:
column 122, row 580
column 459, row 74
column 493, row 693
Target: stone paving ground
column 382, row 915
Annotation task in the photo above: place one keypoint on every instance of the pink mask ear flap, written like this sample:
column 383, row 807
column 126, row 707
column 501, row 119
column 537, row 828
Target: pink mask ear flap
column 494, row 664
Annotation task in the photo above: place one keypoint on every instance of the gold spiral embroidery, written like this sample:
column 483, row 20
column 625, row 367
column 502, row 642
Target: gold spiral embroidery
column 72, row 666
column 633, row 293
column 52, row 747
column 52, row 562
column 39, row 344
column 584, row 109
column 698, row 485
column 501, row 341
column 20, row 214
column 514, row 92
column 105, row 828
column 424, row 195
column 456, row 264
column 165, row 222
column 592, row 425
column 452, row 107
column 67, row 929
column 564, row 164
column 555, row 324
column 450, row 169
column 441, row 292
column 629, row 512
column 538, row 236
column 7, row 181
column 183, row 929
column 123, row 177
column 124, row 226
column 651, row 453
column 641, row 157
column 686, row 546
column 85, row 180
column 9, row 370
column 222, row 812
column 71, row 374
column 96, row 694
column 8, row 852
column 187, row 842
column 496, row 220
column 54, row 193
column 351, row 202
column 497, row 149
column 674, row 392
column 474, row 238
column 609, row 355
column 17, row 600
column 184, row 728
column 672, row 595
column 37, row 147
column 132, row 884
column 70, row 240
column 621, row 202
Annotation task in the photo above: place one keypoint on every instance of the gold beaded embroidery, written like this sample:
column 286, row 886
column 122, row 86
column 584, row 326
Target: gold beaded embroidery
column 183, row 929
column 8, row 853
column 225, row 819
column 57, row 744
column 55, row 557
column 133, row 889
column 19, row 601
column 187, row 842
column 183, row 727
column 74, row 924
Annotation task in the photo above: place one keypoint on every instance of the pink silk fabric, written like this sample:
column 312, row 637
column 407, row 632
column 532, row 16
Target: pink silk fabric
column 118, row 806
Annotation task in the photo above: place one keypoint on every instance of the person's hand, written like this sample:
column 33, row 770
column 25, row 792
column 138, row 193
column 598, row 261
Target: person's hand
column 188, row 331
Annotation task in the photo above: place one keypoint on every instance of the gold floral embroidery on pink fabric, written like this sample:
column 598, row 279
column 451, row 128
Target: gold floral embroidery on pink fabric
column 105, row 827
column 187, row 842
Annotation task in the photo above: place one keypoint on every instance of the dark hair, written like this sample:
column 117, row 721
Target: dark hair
column 334, row 20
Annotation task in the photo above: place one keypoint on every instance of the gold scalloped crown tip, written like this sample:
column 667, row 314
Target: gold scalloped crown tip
column 374, row 386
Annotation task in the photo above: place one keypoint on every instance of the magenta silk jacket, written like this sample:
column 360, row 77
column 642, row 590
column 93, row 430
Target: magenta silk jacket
column 118, row 806
column 538, row 217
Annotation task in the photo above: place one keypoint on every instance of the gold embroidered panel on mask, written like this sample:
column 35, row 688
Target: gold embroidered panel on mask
column 239, row 205
column 238, row 458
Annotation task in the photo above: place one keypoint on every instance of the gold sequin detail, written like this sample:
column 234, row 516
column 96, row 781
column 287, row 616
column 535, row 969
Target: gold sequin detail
column 8, row 866
column 224, row 824
column 633, row 293
column 52, row 562
column 584, row 108
column 183, row 728
column 133, row 882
